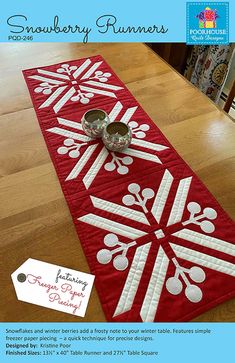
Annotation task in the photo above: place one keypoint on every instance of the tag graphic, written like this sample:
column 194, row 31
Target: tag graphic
column 53, row 286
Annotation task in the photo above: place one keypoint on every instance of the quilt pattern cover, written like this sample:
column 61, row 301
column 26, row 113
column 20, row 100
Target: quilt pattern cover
column 159, row 244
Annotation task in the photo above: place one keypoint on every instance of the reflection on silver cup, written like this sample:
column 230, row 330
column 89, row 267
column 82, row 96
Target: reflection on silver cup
column 94, row 121
column 117, row 136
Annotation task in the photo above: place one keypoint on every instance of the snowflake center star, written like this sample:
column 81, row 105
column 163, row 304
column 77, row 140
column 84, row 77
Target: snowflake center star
column 76, row 83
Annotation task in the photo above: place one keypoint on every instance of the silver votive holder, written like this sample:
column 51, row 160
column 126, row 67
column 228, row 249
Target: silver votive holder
column 117, row 136
column 94, row 121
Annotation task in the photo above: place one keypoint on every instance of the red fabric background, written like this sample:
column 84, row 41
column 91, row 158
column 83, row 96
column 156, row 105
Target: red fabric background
column 112, row 186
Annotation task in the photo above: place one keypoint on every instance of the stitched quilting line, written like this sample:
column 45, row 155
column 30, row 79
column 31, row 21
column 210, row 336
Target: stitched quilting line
column 69, row 134
column 79, row 165
column 136, row 153
column 185, row 251
column 89, row 72
column 141, row 272
column 206, row 241
column 94, row 169
column 142, row 155
column 67, row 96
column 118, row 228
column 160, row 275
column 180, row 200
column 126, row 292
column 179, row 162
column 119, row 210
column 201, row 257
column 163, row 197
column 148, row 144
column 53, row 97
column 49, row 73
column 58, row 80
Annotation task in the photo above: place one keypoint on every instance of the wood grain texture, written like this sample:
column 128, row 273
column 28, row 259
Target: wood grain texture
column 35, row 220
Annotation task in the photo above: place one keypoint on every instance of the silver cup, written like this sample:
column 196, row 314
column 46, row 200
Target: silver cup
column 94, row 121
column 117, row 136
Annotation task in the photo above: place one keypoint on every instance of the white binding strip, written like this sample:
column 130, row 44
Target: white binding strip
column 206, row 241
column 115, row 111
column 133, row 280
column 81, row 68
column 64, row 99
column 111, row 226
column 179, row 202
column 81, row 162
column 98, row 91
column 149, row 145
column 142, row 155
column 128, row 114
column 103, row 85
column 154, row 290
column 204, row 260
column 162, row 195
column 95, row 167
column 119, row 210
column 48, row 80
column 91, row 70
column 74, row 125
column 69, row 134
column 53, row 96
column 53, row 74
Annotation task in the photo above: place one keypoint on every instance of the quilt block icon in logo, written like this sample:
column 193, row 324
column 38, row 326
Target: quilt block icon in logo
column 75, row 83
column 168, row 225
column 77, row 146
column 207, row 18
column 207, row 23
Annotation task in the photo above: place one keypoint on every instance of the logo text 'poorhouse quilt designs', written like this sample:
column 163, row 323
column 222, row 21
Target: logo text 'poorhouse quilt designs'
column 159, row 244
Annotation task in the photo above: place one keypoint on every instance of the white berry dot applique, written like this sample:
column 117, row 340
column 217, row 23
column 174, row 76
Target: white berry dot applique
column 175, row 284
column 76, row 83
column 117, row 255
column 78, row 145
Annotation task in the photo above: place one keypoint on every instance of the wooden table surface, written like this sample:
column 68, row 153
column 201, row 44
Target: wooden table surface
column 35, row 220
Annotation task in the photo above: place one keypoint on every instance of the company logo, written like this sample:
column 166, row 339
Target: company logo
column 207, row 23
column 207, row 18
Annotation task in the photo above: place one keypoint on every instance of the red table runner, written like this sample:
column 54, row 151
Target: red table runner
column 159, row 244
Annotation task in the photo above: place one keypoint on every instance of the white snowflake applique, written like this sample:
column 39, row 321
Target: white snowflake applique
column 75, row 140
column 158, row 239
column 73, row 83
